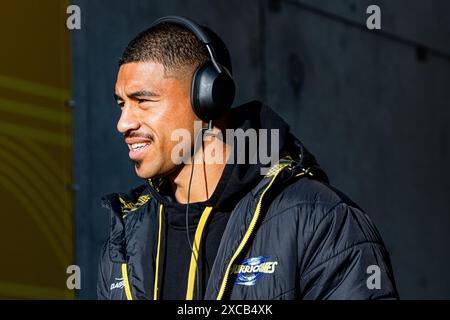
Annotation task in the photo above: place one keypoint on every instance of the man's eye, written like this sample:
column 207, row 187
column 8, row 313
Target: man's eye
column 143, row 100
column 121, row 104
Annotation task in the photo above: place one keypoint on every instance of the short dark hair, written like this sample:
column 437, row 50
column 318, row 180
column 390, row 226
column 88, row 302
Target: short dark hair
column 174, row 47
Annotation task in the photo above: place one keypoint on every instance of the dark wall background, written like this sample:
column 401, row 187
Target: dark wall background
column 372, row 105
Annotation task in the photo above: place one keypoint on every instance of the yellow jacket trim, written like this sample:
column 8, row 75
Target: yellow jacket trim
column 126, row 284
column 194, row 255
column 155, row 289
column 128, row 207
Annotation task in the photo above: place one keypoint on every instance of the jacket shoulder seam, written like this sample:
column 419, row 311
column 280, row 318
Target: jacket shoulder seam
column 303, row 203
column 341, row 252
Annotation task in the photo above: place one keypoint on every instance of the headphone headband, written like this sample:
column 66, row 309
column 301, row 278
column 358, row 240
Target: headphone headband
column 187, row 23
column 197, row 30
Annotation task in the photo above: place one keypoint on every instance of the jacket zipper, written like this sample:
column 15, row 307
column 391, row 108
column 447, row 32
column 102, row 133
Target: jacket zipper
column 155, row 289
column 246, row 236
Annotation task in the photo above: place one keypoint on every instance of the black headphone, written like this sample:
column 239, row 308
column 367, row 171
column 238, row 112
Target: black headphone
column 213, row 88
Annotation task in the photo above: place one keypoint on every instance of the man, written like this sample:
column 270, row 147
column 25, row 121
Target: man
column 202, row 229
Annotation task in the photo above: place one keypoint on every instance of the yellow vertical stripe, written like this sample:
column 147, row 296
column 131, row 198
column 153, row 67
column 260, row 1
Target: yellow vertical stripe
column 126, row 284
column 194, row 255
column 155, row 290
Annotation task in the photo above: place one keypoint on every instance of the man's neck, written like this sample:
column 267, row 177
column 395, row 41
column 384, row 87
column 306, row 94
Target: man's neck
column 206, row 175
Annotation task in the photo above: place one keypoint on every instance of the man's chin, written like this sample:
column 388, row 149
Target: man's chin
column 141, row 171
column 144, row 171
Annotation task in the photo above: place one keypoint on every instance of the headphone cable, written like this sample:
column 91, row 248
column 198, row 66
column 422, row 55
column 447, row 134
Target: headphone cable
column 200, row 133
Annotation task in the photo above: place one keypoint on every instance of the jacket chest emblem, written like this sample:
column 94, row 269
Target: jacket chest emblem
column 253, row 269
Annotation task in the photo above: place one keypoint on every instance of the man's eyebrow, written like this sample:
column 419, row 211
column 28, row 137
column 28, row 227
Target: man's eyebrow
column 140, row 93
column 143, row 93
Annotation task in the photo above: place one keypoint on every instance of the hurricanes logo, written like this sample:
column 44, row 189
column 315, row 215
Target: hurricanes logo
column 252, row 269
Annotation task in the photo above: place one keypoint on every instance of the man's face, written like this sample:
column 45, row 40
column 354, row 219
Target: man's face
column 153, row 104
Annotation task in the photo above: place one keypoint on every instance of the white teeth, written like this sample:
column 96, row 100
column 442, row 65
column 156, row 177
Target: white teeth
column 137, row 146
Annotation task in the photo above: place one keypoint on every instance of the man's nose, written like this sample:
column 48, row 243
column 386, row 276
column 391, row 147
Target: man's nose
column 128, row 121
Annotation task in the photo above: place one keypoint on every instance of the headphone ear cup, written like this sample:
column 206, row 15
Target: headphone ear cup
column 212, row 92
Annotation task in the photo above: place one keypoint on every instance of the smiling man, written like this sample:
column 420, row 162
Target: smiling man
column 200, row 229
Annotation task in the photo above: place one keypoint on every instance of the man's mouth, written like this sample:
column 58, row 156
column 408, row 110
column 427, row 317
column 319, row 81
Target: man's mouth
column 138, row 150
column 137, row 146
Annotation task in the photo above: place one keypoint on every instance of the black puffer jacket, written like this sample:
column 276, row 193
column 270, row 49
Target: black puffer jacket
column 290, row 235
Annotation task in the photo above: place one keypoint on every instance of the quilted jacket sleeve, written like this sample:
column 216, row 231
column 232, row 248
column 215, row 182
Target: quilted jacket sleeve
column 346, row 259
